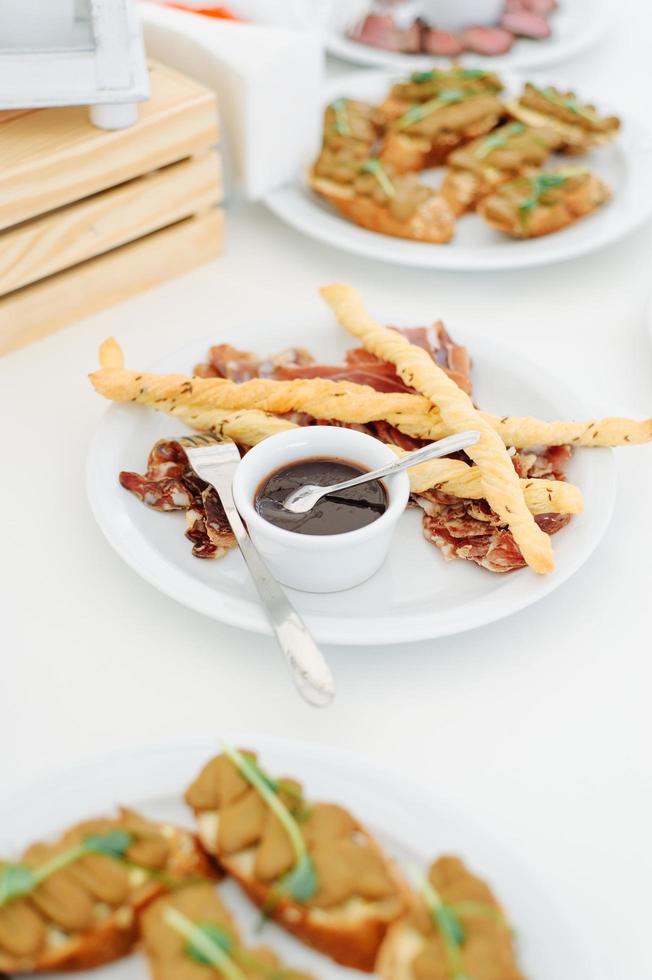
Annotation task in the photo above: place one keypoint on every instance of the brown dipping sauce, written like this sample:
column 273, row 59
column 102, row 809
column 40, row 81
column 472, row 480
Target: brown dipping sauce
column 347, row 511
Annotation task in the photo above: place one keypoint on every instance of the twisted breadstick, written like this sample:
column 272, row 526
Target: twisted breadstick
column 344, row 401
column 450, row 476
column 248, row 427
column 501, row 484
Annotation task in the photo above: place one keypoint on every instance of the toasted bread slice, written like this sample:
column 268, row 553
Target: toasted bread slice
column 414, row 948
column 359, row 892
column 579, row 126
column 431, row 221
column 166, row 947
column 86, row 914
column 523, row 209
column 431, row 137
column 478, row 168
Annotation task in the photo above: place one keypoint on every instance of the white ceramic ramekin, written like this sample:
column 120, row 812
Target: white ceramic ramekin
column 316, row 562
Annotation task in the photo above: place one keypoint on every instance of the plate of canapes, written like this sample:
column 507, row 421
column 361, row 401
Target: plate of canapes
column 265, row 859
column 464, row 169
column 487, row 531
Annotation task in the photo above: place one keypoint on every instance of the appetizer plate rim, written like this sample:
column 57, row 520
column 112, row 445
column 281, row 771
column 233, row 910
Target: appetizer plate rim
column 298, row 206
column 526, row 55
column 110, row 507
column 115, row 779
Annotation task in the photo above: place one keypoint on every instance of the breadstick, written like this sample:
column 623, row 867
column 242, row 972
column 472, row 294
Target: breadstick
column 452, row 476
column 249, row 427
column 502, row 488
column 525, row 432
column 344, row 401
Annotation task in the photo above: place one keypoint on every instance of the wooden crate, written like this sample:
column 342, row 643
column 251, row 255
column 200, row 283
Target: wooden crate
column 89, row 217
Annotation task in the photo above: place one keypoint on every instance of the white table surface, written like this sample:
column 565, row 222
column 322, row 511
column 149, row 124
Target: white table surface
column 540, row 726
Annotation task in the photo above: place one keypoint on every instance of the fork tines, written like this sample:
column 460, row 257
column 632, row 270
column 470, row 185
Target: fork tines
column 203, row 439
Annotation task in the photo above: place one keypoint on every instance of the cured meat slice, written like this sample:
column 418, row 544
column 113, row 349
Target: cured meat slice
column 441, row 43
column 169, row 484
column 526, row 23
column 360, row 366
column 463, row 529
column 226, row 361
column 489, row 41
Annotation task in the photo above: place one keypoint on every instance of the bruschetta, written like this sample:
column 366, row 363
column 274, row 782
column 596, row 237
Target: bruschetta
column 543, row 202
column 191, row 935
column 75, row 904
column 312, row 867
column 455, row 928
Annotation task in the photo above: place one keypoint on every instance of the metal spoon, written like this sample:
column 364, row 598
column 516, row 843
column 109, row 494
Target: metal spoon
column 303, row 499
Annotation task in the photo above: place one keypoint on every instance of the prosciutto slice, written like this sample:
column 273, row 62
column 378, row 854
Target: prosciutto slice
column 360, row 367
column 169, row 484
column 470, row 530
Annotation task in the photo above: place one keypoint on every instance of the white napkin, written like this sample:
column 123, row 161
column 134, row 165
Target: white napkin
column 268, row 82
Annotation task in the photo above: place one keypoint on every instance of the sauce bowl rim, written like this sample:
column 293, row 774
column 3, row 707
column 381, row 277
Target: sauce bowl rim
column 397, row 487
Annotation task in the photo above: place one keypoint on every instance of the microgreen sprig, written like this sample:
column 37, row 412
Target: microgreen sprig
column 17, row 880
column 499, row 139
column 445, row 919
column 207, row 943
column 469, row 907
column 418, row 112
column 569, row 102
column 375, row 167
column 301, row 881
column 540, row 184
column 211, row 945
column 342, row 127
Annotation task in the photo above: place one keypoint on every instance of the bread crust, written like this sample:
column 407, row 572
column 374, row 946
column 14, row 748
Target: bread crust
column 433, row 220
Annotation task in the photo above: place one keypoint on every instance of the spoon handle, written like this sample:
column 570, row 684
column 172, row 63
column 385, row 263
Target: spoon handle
column 451, row 444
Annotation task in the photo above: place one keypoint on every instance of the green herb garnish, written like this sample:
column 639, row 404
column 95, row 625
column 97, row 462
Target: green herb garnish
column 499, row 139
column 113, row 844
column 301, row 882
column 424, row 76
column 342, row 126
column 540, row 184
column 207, row 943
column 472, row 72
column 418, row 112
column 375, row 167
column 445, row 919
column 569, row 102
column 210, row 944
column 17, row 880
column 479, row 908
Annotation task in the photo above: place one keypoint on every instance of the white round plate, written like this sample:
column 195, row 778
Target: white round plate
column 624, row 164
column 417, row 594
column 411, row 824
column 577, row 26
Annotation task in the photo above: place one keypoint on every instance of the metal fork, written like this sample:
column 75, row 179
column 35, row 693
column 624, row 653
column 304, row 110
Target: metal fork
column 215, row 461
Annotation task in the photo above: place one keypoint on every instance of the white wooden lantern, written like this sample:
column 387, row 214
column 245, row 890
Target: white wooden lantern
column 73, row 52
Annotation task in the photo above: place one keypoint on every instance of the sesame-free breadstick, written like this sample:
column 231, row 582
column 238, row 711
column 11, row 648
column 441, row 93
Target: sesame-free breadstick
column 248, row 427
column 345, row 401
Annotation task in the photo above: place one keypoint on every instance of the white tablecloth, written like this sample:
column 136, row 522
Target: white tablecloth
column 539, row 726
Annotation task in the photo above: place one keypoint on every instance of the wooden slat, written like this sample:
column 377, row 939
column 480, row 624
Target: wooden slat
column 37, row 310
column 80, row 231
column 51, row 157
